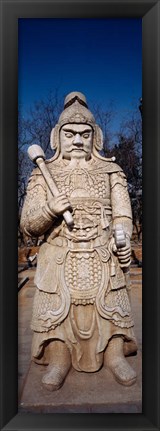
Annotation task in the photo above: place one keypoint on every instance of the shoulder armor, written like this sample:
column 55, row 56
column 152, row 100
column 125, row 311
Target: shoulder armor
column 36, row 171
column 118, row 177
column 35, row 179
column 113, row 167
column 109, row 165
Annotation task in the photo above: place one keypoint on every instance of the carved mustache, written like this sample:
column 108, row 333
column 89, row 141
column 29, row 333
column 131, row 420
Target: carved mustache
column 80, row 148
column 76, row 148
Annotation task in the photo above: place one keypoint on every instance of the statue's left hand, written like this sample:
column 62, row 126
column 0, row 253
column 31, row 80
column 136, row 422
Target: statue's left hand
column 124, row 254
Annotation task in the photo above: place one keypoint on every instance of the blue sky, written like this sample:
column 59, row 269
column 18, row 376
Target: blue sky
column 102, row 58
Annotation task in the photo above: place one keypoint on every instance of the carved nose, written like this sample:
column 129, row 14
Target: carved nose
column 77, row 139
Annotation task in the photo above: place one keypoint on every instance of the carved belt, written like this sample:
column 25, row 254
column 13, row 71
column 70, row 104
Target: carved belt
column 78, row 246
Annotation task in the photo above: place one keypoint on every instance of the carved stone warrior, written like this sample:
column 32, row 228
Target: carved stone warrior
column 81, row 312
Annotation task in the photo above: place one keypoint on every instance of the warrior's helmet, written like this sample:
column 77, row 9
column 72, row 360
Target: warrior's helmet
column 76, row 111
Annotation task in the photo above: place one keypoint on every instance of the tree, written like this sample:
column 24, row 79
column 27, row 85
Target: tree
column 34, row 128
column 104, row 119
column 23, row 168
column 40, row 121
column 128, row 153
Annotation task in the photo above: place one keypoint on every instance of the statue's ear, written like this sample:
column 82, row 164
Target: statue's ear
column 98, row 138
column 54, row 137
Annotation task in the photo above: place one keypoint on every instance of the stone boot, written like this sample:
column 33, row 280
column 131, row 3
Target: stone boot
column 59, row 365
column 116, row 363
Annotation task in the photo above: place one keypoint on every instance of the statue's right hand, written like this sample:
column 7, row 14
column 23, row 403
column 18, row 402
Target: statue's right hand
column 59, row 204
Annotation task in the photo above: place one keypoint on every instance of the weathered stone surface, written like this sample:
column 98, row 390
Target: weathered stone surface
column 83, row 393
column 30, row 375
column 79, row 201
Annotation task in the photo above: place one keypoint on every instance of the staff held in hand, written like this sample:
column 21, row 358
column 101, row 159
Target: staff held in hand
column 59, row 205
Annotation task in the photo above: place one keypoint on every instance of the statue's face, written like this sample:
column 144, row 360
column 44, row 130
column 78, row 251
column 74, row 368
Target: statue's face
column 76, row 141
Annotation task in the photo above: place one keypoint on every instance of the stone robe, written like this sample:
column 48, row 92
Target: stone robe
column 81, row 296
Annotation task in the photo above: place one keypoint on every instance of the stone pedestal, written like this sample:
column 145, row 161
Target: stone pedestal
column 82, row 393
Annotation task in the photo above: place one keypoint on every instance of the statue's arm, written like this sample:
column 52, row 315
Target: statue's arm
column 36, row 216
column 120, row 201
column 121, row 214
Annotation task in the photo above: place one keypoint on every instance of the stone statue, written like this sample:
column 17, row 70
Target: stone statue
column 81, row 312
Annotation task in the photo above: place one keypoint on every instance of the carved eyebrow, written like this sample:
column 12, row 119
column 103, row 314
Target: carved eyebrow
column 75, row 131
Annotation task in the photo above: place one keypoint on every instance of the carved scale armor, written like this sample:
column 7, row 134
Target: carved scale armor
column 82, row 270
column 81, row 297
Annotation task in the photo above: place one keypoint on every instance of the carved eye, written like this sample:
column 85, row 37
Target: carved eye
column 68, row 134
column 86, row 135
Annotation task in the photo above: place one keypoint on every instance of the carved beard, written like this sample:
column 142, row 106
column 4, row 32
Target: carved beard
column 76, row 154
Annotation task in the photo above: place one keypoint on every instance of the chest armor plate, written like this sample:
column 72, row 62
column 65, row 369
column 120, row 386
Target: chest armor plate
column 89, row 195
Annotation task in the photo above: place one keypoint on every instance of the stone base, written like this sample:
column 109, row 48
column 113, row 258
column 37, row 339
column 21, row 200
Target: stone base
column 82, row 392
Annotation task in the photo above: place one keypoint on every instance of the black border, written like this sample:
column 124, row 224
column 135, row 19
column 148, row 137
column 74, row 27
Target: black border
column 150, row 13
